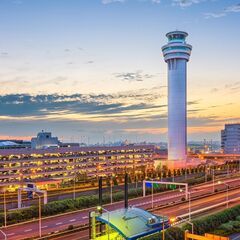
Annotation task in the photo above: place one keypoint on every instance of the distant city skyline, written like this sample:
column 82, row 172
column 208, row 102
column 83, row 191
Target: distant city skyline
column 95, row 68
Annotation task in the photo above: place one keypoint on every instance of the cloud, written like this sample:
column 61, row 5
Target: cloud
column 214, row 90
column 185, row 3
column 112, row 1
column 122, row 1
column 214, row 15
column 233, row 8
column 228, row 10
column 138, row 76
column 121, row 106
column 90, row 62
column 233, row 86
column 17, row 2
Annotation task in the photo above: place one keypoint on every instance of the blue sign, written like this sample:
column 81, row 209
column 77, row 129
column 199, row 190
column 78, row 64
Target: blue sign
column 148, row 184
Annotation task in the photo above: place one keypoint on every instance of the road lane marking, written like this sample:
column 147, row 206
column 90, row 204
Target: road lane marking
column 10, row 234
column 59, row 223
column 44, row 226
column 27, row 230
column 84, row 217
column 72, row 220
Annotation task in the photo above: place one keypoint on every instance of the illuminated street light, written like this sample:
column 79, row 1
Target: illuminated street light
column 39, row 215
column 4, row 207
column 189, row 204
column 220, row 182
column 100, row 209
column 213, row 180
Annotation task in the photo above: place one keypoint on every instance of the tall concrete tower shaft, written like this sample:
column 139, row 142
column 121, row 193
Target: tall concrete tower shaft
column 176, row 54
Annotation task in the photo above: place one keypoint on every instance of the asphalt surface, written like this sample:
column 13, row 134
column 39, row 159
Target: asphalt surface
column 174, row 211
column 61, row 222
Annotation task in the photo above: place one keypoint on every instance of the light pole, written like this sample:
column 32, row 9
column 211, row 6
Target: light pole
column 163, row 230
column 74, row 180
column 228, row 170
column 5, row 207
column 239, row 165
column 4, row 234
column 220, row 182
column 206, row 173
column 189, row 204
column 39, row 215
column 152, row 194
column 213, row 180
column 191, row 225
column 100, row 208
column 111, row 188
column 136, row 179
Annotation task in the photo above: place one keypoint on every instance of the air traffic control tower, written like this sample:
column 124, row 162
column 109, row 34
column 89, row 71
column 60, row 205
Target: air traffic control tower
column 176, row 54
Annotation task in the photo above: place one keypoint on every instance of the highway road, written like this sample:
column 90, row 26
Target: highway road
column 67, row 193
column 61, row 222
column 177, row 210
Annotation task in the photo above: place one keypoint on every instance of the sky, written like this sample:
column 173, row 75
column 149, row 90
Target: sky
column 93, row 70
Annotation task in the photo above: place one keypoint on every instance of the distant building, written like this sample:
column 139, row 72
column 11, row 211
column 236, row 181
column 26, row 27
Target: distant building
column 11, row 144
column 44, row 140
column 230, row 138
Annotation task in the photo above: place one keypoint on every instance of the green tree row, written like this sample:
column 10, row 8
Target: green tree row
column 224, row 222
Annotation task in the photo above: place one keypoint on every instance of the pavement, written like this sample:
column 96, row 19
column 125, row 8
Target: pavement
column 61, row 222
column 235, row 236
column 173, row 211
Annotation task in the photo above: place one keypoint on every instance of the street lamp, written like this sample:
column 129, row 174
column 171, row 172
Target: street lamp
column 191, row 225
column 74, row 180
column 220, row 182
column 172, row 220
column 189, row 204
column 213, row 180
column 111, row 188
column 4, row 234
column 39, row 214
column 206, row 173
column 228, row 170
column 99, row 209
column 4, row 207
column 163, row 230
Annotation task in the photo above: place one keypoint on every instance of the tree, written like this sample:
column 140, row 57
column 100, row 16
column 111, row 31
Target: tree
column 169, row 173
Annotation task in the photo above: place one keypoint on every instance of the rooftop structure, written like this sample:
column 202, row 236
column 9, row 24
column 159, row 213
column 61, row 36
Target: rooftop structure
column 44, row 140
column 132, row 223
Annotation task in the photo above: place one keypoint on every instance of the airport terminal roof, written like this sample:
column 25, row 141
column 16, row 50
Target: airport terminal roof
column 7, row 143
column 133, row 223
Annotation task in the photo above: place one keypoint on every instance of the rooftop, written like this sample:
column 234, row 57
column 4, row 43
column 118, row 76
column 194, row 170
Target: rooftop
column 133, row 223
column 62, row 150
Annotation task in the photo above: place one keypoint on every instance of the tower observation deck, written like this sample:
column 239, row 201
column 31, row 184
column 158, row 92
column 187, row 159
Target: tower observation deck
column 176, row 54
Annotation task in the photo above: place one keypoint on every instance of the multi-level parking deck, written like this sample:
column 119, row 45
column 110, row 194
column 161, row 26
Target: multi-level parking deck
column 20, row 165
